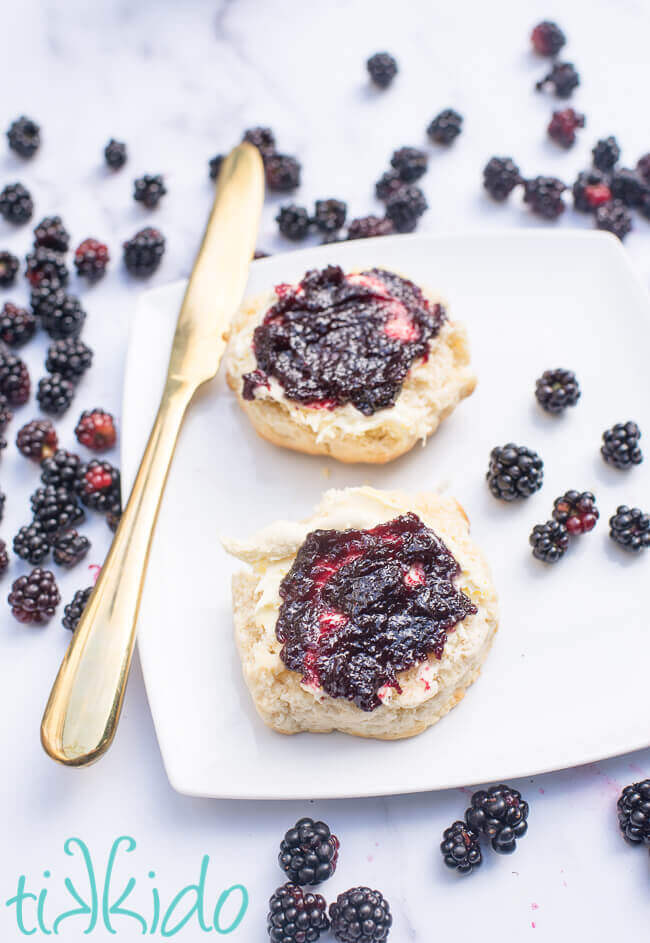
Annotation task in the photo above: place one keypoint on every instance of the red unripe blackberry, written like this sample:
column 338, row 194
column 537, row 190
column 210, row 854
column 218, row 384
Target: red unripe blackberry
column 96, row 430
column 577, row 511
column 563, row 125
column 91, row 258
column 547, row 38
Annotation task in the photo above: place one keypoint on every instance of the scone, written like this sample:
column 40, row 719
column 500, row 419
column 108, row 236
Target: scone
column 358, row 366
column 371, row 617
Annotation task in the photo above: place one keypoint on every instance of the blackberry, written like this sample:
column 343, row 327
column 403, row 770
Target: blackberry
column 4, row 557
column 615, row 218
column 626, row 185
column 309, row 852
column 562, row 79
column 98, row 485
column 460, row 848
column 388, row 183
column 55, row 509
column 54, row 394
column 261, row 138
column 643, row 168
column 360, row 915
column 70, row 358
column 61, row 469
column 329, row 215
column 75, row 609
column 293, row 222
column 500, row 177
column 37, row 439
column 91, row 258
column 549, row 541
column 563, row 125
column 606, row 153
column 16, row 204
column 282, row 172
column 591, row 190
column 633, row 808
column 9, row 266
column 24, row 136
column 149, row 190
column 46, row 297
column 644, row 206
column 296, row 917
column 32, row 544
column 214, row 165
column 114, row 515
column 15, row 383
column 45, row 263
column 62, row 316
column 368, row 227
column 6, row 414
column 577, row 511
column 499, row 813
column 69, row 548
column 34, row 597
column 52, row 234
column 382, row 69
column 514, row 472
column 557, row 389
column 445, row 127
column 115, row 154
column 405, row 207
column 410, row 163
column 96, row 430
column 17, row 325
column 630, row 528
column 621, row 445
column 547, row 38
column 143, row 253
column 544, row 196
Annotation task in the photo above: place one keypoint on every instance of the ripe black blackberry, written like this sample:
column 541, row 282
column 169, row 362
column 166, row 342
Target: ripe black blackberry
column 445, row 127
column 644, row 205
column 69, row 548
column 98, row 485
column 16, row 204
column 96, row 430
column 6, row 414
column 143, row 253
column 389, row 183
column 557, row 389
column 214, row 166
column 563, row 126
column 115, row 154
column 282, row 172
column 630, row 528
column 329, row 215
column 149, row 190
column 4, row 557
column 633, row 808
column 514, row 472
column 368, row 227
column 627, row 186
column 114, row 515
column 91, row 258
column 360, row 915
column 405, row 208
column 46, row 297
column 591, row 190
column 17, row 325
column 577, row 511
column 460, row 848
column 52, row 234
column 293, row 222
column 15, row 383
column 34, row 597
column 382, row 69
column 500, row 813
column 410, row 163
column 544, row 196
column 55, row 509
column 621, row 445
column 70, row 358
column 75, row 609
column 615, row 218
column 606, row 153
column 296, row 917
column 45, row 263
column 24, row 136
column 62, row 316
column 561, row 80
column 32, row 544
column 549, row 541
column 9, row 266
column 37, row 440
column 500, row 177
column 61, row 469
column 261, row 138
column 54, row 394
column 547, row 38
column 309, row 852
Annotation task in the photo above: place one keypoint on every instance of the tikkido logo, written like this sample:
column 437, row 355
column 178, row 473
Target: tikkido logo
column 102, row 900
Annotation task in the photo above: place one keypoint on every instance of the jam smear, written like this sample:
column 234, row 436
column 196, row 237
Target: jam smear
column 359, row 606
column 338, row 339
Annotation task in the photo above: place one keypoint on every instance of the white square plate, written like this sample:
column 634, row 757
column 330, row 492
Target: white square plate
column 566, row 682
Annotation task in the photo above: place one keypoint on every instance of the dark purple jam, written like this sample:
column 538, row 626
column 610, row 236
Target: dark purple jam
column 359, row 606
column 337, row 338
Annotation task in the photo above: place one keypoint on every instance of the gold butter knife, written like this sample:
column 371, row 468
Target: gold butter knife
column 84, row 706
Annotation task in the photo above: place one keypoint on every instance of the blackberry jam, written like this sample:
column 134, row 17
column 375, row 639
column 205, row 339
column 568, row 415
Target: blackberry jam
column 359, row 606
column 336, row 339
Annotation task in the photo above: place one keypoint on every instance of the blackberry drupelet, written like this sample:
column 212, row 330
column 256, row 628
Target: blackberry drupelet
column 32, row 544
column 389, row 183
column 69, row 548
column 368, row 227
column 75, row 609
column 17, row 325
column 296, row 917
column 561, row 80
column 45, row 263
column 549, row 541
column 410, row 163
column 309, row 852
column 55, row 509
column 15, row 383
column 514, row 472
column 143, row 253
column 6, row 414
column 24, row 136
column 37, row 440
column 591, row 190
column 96, row 430
column 499, row 813
column 329, row 215
column 115, row 154
column 633, row 808
column 293, row 222
column 34, row 597
column 544, row 196
column 91, row 258
column 9, row 266
column 621, row 445
column 98, row 485
column 52, row 234
column 630, row 528
column 460, row 848
column 114, row 515
column 16, row 204
column 61, row 470
column 557, row 389
column 605, row 154
column 445, row 127
column 577, row 511
column 360, row 915
column 261, row 138
column 214, row 166
column 62, row 316
column 282, row 172
column 149, row 190
column 382, row 69
column 615, row 218
column 405, row 208
column 500, row 177
column 4, row 557
column 54, row 394
column 563, row 125
column 547, row 38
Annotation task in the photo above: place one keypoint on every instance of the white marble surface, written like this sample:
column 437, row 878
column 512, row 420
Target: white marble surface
column 179, row 82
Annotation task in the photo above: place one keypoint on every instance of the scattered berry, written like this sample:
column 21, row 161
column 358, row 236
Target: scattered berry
column 296, row 917
column 606, row 153
column 4, row 557
column 405, row 207
column 563, row 125
column 55, row 509
column 96, row 430
column 500, row 177
column 514, row 472
column 388, row 183
column 626, row 185
column 143, row 253
column 561, row 80
column 149, row 190
column 37, row 439
column 309, row 852
column 69, row 548
column 34, row 597
column 45, row 263
column 590, row 191
column 293, row 222
column 31, row 544
column 329, row 215
column 557, row 389
column 630, row 528
column 54, row 394
column 52, row 234
column 15, row 383
column 17, row 325
column 382, row 69
column 499, row 813
column 98, row 485
column 282, row 172
column 360, row 915
column 460, row 848
column 634, row 813
column 9, row 266
column 75, row 609
column 261, row 138
column 16, row 205
column 24, row 136
column 621, row 445
column 615, row 218
column 368, row 227
column 445, row 127
column 549, row 541
column 214, row 165
column 70, row 358
column 61, row 315
column 115, row 154
column 410, row 163
column 544, row 196
column 547, row 38
column 61, row 469
column 46, row 296
column 577, row 511
column 91, row 258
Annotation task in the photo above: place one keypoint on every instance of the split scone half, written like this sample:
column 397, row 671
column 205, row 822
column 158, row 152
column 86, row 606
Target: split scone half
column 358, row 366
column 371, row 617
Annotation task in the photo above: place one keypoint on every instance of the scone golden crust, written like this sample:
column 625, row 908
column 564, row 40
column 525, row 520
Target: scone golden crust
column 431, row 390
column 427, row 691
